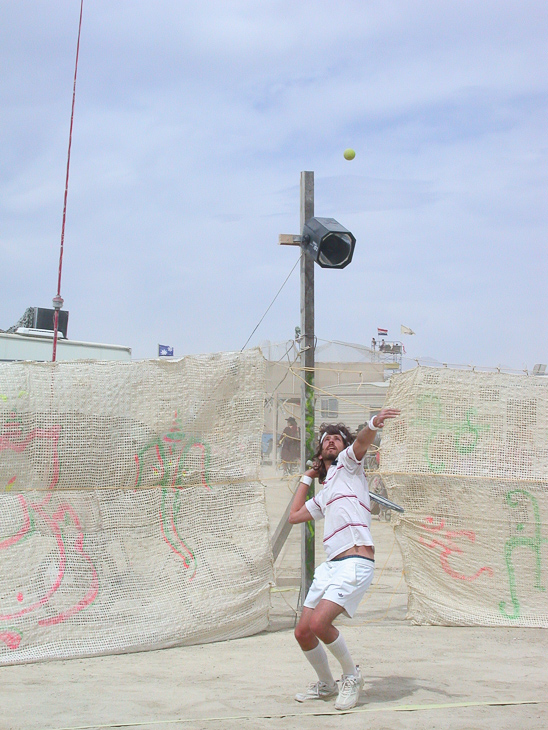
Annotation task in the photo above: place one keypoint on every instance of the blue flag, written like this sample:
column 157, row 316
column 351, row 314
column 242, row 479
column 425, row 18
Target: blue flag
column 165, row 351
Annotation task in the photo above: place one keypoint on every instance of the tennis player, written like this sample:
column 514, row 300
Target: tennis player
column 340, row 583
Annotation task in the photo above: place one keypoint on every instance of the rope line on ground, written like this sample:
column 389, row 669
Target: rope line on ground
column 282, row 715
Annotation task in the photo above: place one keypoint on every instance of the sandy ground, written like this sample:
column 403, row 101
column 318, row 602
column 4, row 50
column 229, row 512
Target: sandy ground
column 417, row 677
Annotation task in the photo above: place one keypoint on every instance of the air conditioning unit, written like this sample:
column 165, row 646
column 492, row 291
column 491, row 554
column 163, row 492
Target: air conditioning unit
column 44, row 320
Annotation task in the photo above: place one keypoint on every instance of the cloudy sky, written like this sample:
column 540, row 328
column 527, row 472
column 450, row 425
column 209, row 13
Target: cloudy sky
column 193, row 121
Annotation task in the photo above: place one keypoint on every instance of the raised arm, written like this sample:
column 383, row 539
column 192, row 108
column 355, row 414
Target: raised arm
column 367, row 435
column 298, row 512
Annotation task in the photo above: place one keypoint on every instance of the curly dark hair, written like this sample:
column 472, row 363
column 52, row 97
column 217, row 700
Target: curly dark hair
column 330, row 428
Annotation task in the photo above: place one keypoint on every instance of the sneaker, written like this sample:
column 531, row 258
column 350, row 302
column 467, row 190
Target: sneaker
column 318, row 691
column 351, row 686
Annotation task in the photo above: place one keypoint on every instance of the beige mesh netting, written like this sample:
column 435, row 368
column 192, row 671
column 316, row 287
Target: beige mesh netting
column 468, row 459
column 130, row 513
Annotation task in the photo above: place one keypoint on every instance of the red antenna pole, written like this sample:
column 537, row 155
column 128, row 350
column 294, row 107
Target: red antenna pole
column 58, row 299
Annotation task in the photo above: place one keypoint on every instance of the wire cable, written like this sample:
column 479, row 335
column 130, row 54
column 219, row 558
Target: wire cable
column 271, row 303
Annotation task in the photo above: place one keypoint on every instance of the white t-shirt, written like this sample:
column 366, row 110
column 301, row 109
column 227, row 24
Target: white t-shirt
column 344, row 502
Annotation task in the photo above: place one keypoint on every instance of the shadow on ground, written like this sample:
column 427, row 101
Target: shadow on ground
column 392, row 689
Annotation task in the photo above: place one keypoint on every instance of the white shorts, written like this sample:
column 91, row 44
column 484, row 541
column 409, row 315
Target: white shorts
column 343, row 582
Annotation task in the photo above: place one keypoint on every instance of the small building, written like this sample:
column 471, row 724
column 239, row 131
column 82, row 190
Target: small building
column 31, row 338
column 38, row 345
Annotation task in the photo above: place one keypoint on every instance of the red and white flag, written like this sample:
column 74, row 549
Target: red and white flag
column 381, row 332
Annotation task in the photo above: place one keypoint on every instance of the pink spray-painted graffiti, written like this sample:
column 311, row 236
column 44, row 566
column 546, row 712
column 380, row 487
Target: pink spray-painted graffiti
column 445, row 540
column 163, row 462
column 36, row 519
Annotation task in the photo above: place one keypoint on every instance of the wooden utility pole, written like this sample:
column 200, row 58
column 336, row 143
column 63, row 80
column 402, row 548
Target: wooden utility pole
column 307, row 343
column 331, row 246
column 307, row 387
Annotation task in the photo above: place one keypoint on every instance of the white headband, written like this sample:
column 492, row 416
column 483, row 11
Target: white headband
column 324, row 434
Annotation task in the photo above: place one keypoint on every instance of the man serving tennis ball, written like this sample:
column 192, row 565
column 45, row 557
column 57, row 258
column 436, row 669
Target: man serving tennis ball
column 340, row 583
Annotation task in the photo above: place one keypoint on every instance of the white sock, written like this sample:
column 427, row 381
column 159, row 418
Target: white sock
column 340, row 651
column 318, row 658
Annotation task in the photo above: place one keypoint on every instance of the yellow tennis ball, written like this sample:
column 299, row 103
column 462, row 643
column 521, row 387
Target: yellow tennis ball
column 349, row 154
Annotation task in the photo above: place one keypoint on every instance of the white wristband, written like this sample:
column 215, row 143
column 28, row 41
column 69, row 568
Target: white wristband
column 306, row 480
column 371, row 426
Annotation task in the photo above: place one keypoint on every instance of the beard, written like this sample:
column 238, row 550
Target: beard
column 331, row 453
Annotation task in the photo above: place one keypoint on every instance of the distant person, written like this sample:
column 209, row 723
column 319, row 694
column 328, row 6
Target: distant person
column 340, row 583
column 290, row 441
column 382, row 346
column 373, row 343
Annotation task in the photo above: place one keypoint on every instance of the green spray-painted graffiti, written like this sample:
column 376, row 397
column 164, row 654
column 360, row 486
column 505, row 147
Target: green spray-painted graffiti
column 534, row 543
column 168, row 456
column 466, row 433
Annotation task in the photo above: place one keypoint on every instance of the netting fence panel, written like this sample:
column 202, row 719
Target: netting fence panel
column 131, row 516
column 468, row 459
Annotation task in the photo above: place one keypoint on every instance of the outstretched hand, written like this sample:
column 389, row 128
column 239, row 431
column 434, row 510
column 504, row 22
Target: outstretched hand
column 385, row 414
column 366, row 436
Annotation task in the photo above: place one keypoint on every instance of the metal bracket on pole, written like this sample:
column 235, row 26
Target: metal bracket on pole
column 288, row 239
